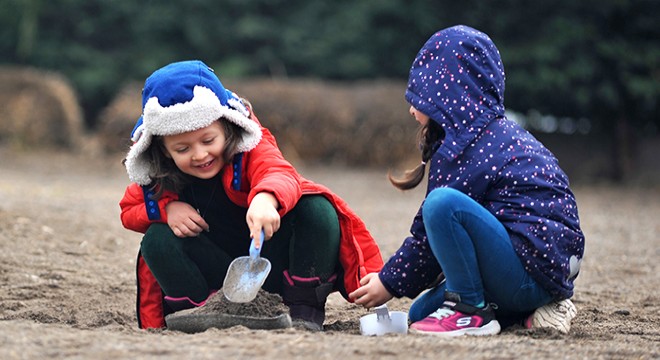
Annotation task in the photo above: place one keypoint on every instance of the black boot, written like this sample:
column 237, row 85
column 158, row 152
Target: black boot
column 306, row 298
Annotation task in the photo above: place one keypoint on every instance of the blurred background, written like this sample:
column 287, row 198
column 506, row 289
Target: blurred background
column 328, row 77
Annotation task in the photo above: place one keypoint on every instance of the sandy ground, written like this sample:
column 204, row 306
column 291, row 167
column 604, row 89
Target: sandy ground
column 67, row 276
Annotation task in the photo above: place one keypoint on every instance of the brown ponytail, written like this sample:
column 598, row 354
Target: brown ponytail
column 427, row 136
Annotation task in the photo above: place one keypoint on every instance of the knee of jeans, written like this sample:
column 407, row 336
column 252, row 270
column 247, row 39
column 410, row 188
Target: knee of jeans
column 439, row 201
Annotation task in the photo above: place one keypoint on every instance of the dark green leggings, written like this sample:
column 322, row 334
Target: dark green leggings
column 307, row 245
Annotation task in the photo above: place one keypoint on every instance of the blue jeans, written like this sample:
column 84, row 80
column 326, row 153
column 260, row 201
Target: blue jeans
column 477, row 258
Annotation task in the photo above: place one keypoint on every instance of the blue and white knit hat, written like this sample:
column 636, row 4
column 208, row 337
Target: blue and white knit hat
column 181, row 97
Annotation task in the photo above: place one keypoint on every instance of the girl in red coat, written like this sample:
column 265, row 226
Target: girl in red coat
column 206, row 179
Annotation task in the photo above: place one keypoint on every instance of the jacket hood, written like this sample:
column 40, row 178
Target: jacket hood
column 457, row 79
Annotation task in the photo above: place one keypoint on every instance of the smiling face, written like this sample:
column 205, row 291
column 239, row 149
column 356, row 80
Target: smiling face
column 198, row 153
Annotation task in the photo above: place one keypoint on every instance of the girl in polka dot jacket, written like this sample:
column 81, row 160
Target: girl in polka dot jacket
column 497, row 236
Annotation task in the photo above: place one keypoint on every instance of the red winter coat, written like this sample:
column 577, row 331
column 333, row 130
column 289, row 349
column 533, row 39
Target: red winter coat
column 261, row 169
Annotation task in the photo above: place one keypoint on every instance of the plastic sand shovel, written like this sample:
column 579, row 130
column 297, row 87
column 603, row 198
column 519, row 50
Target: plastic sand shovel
column 246, row 274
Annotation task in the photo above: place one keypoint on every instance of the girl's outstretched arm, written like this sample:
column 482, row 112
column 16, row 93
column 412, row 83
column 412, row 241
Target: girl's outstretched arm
column 269, row 172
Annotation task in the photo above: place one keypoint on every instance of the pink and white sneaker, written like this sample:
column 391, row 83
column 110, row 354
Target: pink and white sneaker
column 455, row 319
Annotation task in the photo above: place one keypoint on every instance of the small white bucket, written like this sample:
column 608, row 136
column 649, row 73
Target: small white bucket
column 384, row 322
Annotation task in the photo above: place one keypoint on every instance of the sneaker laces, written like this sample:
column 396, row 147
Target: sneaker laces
column 442, row 313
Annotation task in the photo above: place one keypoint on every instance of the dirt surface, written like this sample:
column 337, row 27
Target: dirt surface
column 67, row 283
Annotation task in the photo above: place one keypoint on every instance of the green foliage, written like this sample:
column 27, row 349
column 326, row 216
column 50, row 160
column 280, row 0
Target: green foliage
column 595, row 59
column 587, row 58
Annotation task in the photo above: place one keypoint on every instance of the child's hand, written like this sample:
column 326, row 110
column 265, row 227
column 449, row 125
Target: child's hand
column 262, row 214
column 372, row 292
column 184, row 220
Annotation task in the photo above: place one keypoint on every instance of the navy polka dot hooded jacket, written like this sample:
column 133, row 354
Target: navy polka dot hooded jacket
column 457, row 79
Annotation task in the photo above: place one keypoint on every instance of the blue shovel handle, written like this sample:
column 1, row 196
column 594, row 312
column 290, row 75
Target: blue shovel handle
column 254, row 251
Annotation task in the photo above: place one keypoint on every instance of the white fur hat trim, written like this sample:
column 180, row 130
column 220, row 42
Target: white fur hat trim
column 198, row 113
